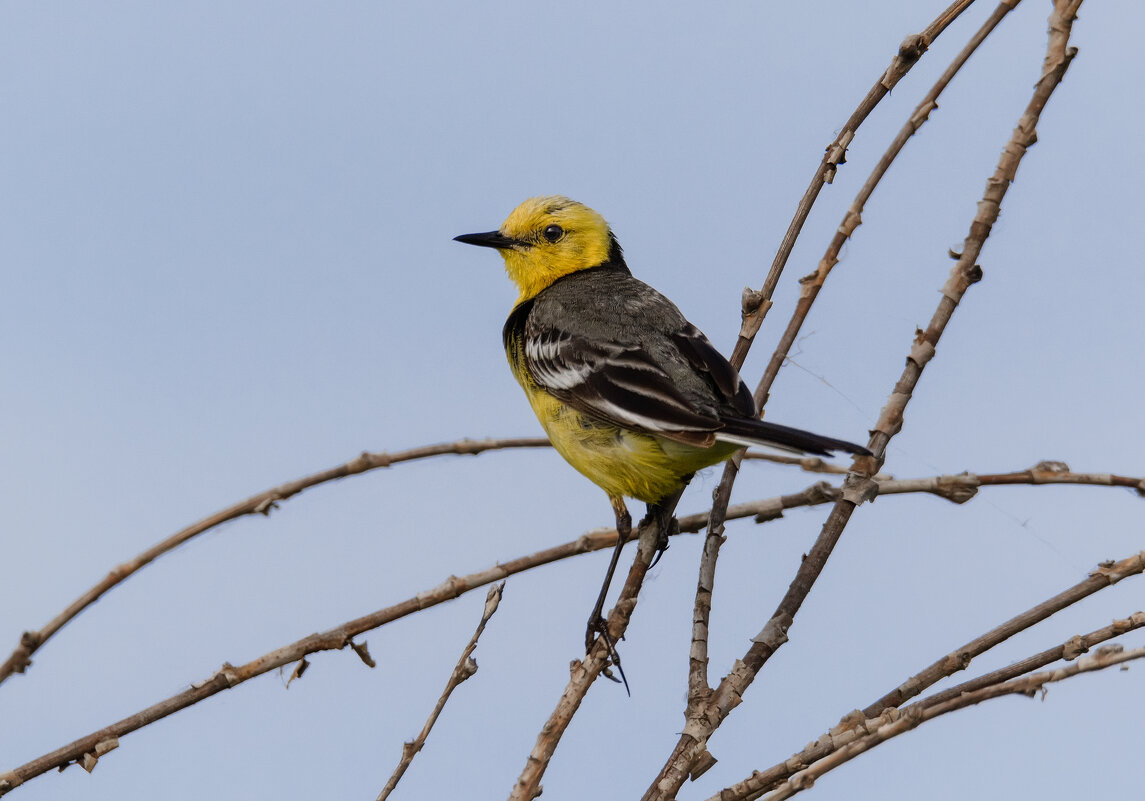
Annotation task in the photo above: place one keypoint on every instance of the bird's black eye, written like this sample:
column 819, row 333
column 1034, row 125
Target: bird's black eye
column 553, row 233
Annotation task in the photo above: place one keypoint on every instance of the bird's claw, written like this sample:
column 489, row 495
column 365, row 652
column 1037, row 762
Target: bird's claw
column 598, row 629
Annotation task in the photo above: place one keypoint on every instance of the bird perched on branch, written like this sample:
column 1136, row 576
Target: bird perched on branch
column 629, row 392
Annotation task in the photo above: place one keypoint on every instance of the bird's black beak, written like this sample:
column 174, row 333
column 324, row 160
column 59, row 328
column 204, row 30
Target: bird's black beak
column 489, row 239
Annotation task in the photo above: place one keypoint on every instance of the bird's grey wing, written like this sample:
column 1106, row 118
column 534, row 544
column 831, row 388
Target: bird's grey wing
column 625, row 384
column 707, row 362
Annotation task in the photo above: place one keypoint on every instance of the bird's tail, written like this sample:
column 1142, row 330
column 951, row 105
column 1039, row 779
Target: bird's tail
column 748, row 431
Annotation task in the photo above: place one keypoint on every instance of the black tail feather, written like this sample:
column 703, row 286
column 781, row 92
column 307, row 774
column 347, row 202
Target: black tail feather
column 759, row 432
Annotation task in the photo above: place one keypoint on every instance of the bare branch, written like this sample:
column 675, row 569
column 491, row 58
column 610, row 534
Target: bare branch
column 757, row 304
column 707, row 709
column 1069, row 650
column 811, row 284
column 262, row 503
column 809, row 464
column 1106, row 575
column 584, row 672
column 455, row 586
column 856, row 724
column 910, row 718
column 342, row 636
column 466, row 666
column 910, row 51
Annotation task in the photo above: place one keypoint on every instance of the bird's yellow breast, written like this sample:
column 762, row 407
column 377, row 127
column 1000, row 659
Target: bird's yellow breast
column 620, row 461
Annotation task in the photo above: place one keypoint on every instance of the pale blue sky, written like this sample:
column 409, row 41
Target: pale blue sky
column 225, row 239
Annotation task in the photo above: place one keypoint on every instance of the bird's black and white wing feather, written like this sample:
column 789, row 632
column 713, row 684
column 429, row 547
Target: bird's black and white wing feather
column 638, row 364
column 616, row 383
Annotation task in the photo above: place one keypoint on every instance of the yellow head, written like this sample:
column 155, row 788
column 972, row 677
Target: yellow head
column 546, row 238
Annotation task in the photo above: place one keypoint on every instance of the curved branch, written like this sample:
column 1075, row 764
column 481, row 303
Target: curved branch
column 913, row 716
column 706, row 709
column 1068, row 650
column 912, row 49
column 585, row 671
column 857, row 724
column 262, row 503
column 86, row 749
column 757, row 304
column 464, row 669
column 811, row 284
column 1106, row 575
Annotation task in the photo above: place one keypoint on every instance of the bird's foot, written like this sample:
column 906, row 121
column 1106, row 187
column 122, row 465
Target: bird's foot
column 598, row 629
column 666, row 527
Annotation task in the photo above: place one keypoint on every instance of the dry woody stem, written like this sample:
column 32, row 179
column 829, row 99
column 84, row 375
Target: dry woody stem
column 262, row 503
column 756, row 305
column 1106, row 575
column 857, row 723
column 584, row 672
column 706, row 711
column 957, row 489
column 913, row 716
column 465, row 668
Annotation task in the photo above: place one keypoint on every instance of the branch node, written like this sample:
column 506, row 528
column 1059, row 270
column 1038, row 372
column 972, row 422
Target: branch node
column 753, row 308
column 1073, row 648
column 956, row 489
column 267, row 505
column 774, row 634
column 1047, row 466
column 299, row 669
column 227, row 673
column 864, row 490
column 910, row 51
column 701, row 764
column 750, row 301
column 89, row 760
column 850, row 722
column 836, row 155
column 960, row 660
column 1135, row 620
column 363, row 651
column 773, row 512
column 1129, row 567
column 921, row 352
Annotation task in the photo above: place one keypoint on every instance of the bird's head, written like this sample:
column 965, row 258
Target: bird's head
column 546, row 238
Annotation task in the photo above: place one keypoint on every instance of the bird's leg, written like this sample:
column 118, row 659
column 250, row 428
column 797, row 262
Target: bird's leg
column 596, row 622
column 666, row 523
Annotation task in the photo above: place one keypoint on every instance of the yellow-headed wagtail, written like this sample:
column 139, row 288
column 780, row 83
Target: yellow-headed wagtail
column 629, row 392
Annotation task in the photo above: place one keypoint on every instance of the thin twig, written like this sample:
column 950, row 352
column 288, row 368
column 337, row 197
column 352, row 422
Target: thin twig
column 466, row 666
column 910, row 718
column 757, row 304
column 810, row 285
column 1068, row 650
column 755, row 307
column 262, row 503
column 707, row 710
column 1106, row 575
column 957, row 488
column 584, row 672
column 856, row 724
column 809, row 464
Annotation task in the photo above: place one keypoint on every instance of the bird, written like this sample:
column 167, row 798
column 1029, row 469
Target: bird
column 628, row 391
